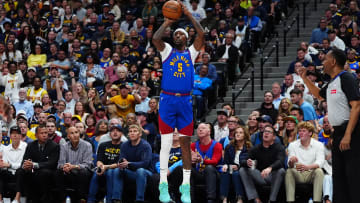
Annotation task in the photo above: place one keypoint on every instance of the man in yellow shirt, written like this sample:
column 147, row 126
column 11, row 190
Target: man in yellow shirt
column 35, row 93
column 125, row 102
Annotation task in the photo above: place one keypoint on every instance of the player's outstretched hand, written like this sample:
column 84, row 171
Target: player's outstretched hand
column 184, row 9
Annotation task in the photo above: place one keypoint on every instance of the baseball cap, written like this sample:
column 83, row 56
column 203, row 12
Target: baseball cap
column 51, row 116
column 123, row 86
column 23, row 116
column 76, row 117
column 265, row 118
column 37, row 104
column 222, row 112
column 114, row 87
column 100, row 107
column 291, row 118
column 118, row 126
column 15, row 128
column 141, row 113
column 23, row 112
column 106, row 5
column 46, row 3
column 32, row 68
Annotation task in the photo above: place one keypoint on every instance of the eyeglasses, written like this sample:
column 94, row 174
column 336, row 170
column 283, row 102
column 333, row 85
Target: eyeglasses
column 268, row 131
column 231, row 121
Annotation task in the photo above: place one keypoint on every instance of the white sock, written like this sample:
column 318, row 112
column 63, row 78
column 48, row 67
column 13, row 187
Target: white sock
column 186, row 176
column 166, row 143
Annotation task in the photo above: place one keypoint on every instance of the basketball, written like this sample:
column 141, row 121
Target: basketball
column 172, row 9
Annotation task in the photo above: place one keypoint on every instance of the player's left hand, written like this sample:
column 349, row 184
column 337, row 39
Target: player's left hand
column 185, row 10
column 345, row 142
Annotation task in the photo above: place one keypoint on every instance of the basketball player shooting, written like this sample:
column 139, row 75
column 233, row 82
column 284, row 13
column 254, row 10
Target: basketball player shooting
column 175, row 106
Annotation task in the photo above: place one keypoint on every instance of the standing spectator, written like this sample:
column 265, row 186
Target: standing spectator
column 229, row 54
column 342, row 96
column 134, row 164
column 12, row 82
column 89, row 71
column 196, row 11
column 306, row 158
column 268, row 169
column 38, row 166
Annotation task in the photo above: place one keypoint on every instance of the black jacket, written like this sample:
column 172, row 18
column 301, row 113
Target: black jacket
column 47, row 159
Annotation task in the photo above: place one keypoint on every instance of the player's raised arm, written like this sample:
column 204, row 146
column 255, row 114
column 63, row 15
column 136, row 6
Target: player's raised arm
column 200, row 37
column 157, row 38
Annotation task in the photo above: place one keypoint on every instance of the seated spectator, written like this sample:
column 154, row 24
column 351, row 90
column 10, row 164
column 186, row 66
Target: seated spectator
column 285, row 106
column 107, row 137
column 288, row 85
column 290, row 133
column 252, row 124
column 38, row 166
column 23, row 104
column 107, row 160
column 35, row 93
column 233, row 122
column 263, row 121
column 318, row 34
column 74, row 166
column 221, row 129
column 300, row 58
column 144, row 104
column 125, row 102
column 268, row 169
column 297, row 112
column 134, row 164
column 306, row 158
column 212, row 74
column 276, row 92
column 235, row 153
column 254, row 23
column 54, row 135
column 37, row 58
column 148, row 129
column 351, row 60
column 267, row 107
column 335, row 41
column 26, row 135
column 201, row 85
column 11, row 160
column 205, row 156
column 308, row 109
column 62, row 63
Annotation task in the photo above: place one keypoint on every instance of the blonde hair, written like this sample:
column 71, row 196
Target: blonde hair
column 308, row 126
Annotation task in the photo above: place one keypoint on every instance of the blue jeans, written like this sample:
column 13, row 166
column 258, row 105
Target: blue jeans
column 225, row 184
column 140, row 177
column 94, row 185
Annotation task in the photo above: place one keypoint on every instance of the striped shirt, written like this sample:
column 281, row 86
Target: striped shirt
column 81, row 155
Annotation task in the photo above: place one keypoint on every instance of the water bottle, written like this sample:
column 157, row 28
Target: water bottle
column 310, row 200
column 68, row 200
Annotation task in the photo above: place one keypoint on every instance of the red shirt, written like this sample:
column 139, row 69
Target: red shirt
column 217, row 152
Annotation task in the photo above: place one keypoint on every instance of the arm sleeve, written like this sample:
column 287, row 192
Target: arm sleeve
column 280, row 157
column 349, row 87
column 53, row 158
column 145, row 159
column 166, row 52
column 217, row 153
column 87, row 157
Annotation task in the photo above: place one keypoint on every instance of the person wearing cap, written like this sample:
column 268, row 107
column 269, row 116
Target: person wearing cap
column 268, row 169
column 107, row 160
column 305, row 162
column 104, row 17
column 175, row 100
column 34, row 120
column 74, row 166
column 24, row 104
column 129, row 22
column 134, row 165
column 308, row 109
column 11, row 159
column 38, row 166
column 100, row 112
column 263, row 121
column 26, row 135
column 290, row 131
column 221, row 129
column 125, row 102
column 136, row 49
column 12, row 82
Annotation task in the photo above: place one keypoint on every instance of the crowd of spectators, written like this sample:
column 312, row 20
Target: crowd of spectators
column 79, row 110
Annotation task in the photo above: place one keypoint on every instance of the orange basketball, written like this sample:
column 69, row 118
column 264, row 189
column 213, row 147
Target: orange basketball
column 172, row 9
